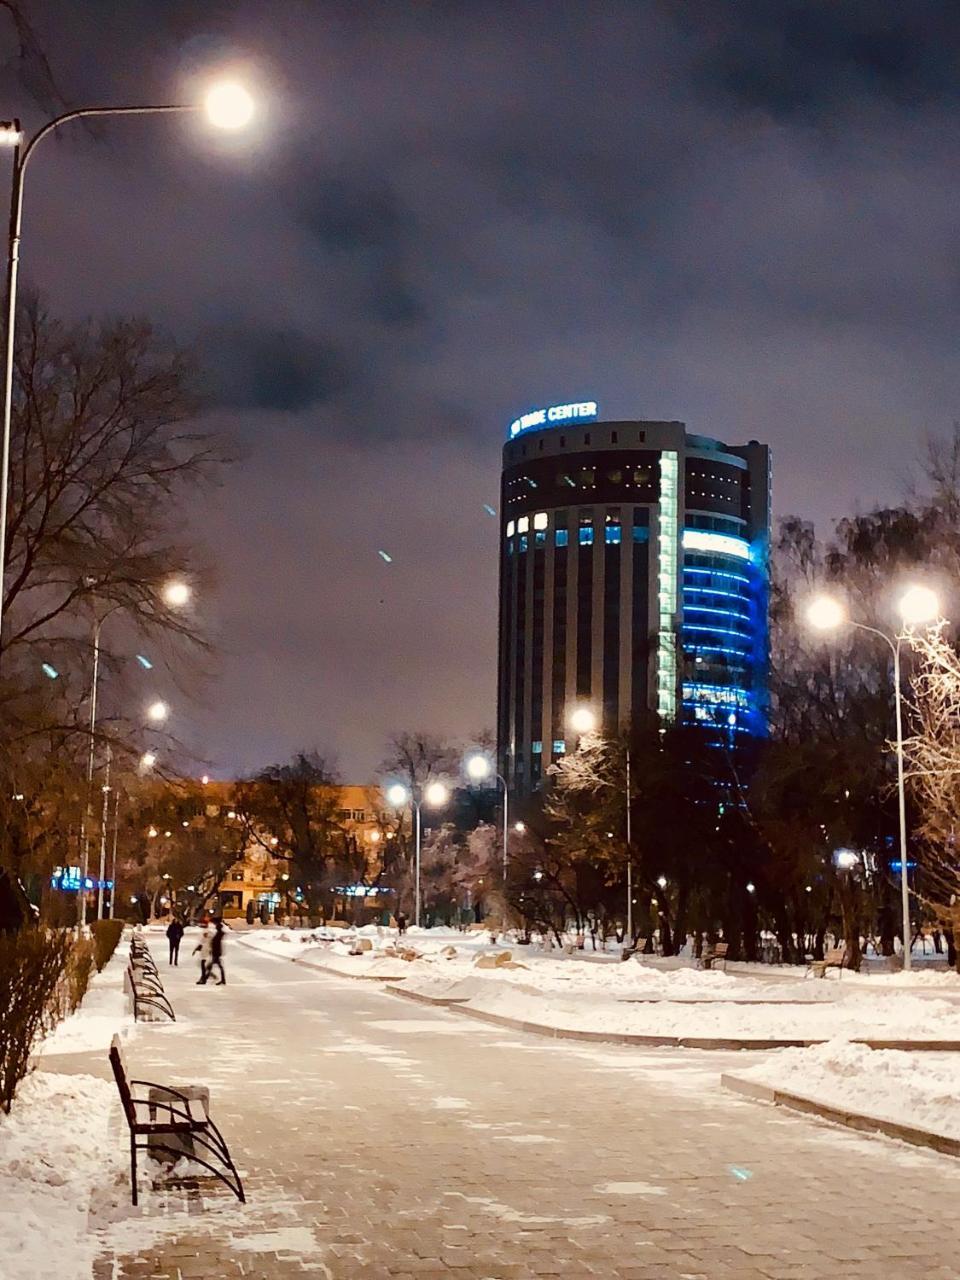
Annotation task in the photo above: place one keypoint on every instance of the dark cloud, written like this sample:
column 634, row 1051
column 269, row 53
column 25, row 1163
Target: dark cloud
column 273, row 369
column 738, row 214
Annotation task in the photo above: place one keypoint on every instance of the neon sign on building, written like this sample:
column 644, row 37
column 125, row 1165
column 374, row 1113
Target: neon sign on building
column 556, row 413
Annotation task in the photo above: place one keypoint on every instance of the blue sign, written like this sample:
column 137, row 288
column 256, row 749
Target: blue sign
column 554, row 415
column 70, row 880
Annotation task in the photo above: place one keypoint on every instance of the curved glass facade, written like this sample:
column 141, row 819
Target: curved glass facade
column 634, row 579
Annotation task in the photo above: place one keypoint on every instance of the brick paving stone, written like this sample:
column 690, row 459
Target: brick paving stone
column 328, row 1094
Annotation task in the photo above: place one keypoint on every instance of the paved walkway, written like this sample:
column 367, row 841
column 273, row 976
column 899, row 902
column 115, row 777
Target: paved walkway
column 382, row 1139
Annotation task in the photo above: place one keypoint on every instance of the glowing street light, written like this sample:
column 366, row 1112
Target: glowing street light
column 826, row 613
column 583, row 720
column 228, row 105
column 435, row 794
column 918, row 606
column 520, row 828
column 176, row 593
column 158, row 711
column 479, row 767
column 148, row 760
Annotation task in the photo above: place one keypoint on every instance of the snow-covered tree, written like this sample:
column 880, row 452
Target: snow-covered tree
column 932, row 761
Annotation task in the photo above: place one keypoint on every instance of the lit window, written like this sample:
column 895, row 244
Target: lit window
column 540, row 538
column 523, row 524
column 559, row 747
column 541, row 520
column 510, row 528
column 613, row 515
column 523, row 542
column 612, row 535
column 586, row 535
column 641, row 533
column 561, row 537
column 536, row 748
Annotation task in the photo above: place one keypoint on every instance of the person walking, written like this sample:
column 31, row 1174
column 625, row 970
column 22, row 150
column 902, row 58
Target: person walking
column 401, row 924
column 205, row 947
column 174, row 937
column 216, row 954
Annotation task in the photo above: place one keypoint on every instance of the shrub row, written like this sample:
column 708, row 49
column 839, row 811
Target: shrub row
column 43, row 977
column 106, row 937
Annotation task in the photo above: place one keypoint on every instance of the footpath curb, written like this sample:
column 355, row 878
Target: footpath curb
column 457, row 1005
column 836, row 1115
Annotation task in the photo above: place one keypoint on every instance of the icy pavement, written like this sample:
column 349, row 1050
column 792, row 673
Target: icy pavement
column 379, row 1139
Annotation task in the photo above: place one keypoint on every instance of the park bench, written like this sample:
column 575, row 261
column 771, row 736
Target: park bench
column 171, row 1121
column 713, row 955
column 144, row 985
column 835, row 958
column 148, row 996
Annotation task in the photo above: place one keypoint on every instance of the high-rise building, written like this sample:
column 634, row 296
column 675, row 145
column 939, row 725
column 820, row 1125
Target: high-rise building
column 633, row 579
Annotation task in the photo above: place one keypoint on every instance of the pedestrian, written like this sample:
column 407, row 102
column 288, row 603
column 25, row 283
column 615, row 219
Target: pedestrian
column 401, row 924
column 216, row 954
column 204, row 946
column 174, row 935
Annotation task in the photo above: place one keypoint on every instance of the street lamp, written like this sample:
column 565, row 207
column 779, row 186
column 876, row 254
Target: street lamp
column 176, row 593
column 583, row 720
column 478, row 768
column 918, row 606
column 227, row 106
column 158, row 711
column 434, row 794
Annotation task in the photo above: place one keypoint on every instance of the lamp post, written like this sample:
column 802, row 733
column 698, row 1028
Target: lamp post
column 479, row 768
column 227, row 105
column 435, row 794
column 917, row 607
column 582, row 721
column 173, row 594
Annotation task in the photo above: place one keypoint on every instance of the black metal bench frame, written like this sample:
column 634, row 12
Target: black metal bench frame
column 148, row 994
column 181, row 1121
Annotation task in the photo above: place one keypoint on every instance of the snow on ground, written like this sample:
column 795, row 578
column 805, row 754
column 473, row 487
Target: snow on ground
column 917, row 1089
column 882, row 1016
column 103, row 1012
column 54, row 1149
column 645, row 997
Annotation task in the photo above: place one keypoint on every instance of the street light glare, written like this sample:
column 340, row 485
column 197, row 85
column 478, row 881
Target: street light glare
column 582, row 720
column 176, row 594
column 229, row 105
column 148, row 759
column 436, row 794
column 158, row 711
column 826, row 613
column 918, row 605
column 10, row 135
column 478, row 767
column 397, row 794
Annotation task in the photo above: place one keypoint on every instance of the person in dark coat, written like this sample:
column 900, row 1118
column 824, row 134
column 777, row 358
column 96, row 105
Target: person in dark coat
column 401, row 924
column 216, row 954
column 174, row 936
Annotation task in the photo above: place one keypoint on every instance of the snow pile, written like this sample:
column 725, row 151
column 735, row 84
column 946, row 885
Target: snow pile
column 884, row 1016
column 54, row 1149
column 103, row 1012
column 921, row 1090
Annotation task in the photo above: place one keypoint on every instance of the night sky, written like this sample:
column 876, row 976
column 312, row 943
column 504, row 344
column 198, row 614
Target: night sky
column 743, row 215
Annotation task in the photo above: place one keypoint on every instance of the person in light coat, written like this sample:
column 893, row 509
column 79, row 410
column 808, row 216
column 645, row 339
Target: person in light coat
column 205, row 947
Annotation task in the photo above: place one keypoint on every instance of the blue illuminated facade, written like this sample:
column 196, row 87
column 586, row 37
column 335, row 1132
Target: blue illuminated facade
column 634, row 579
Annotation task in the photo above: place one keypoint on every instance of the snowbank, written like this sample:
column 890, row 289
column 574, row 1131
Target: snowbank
column 54, row 1149
column 885, row 1015
column 919, row 1090
column 103, row 1012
